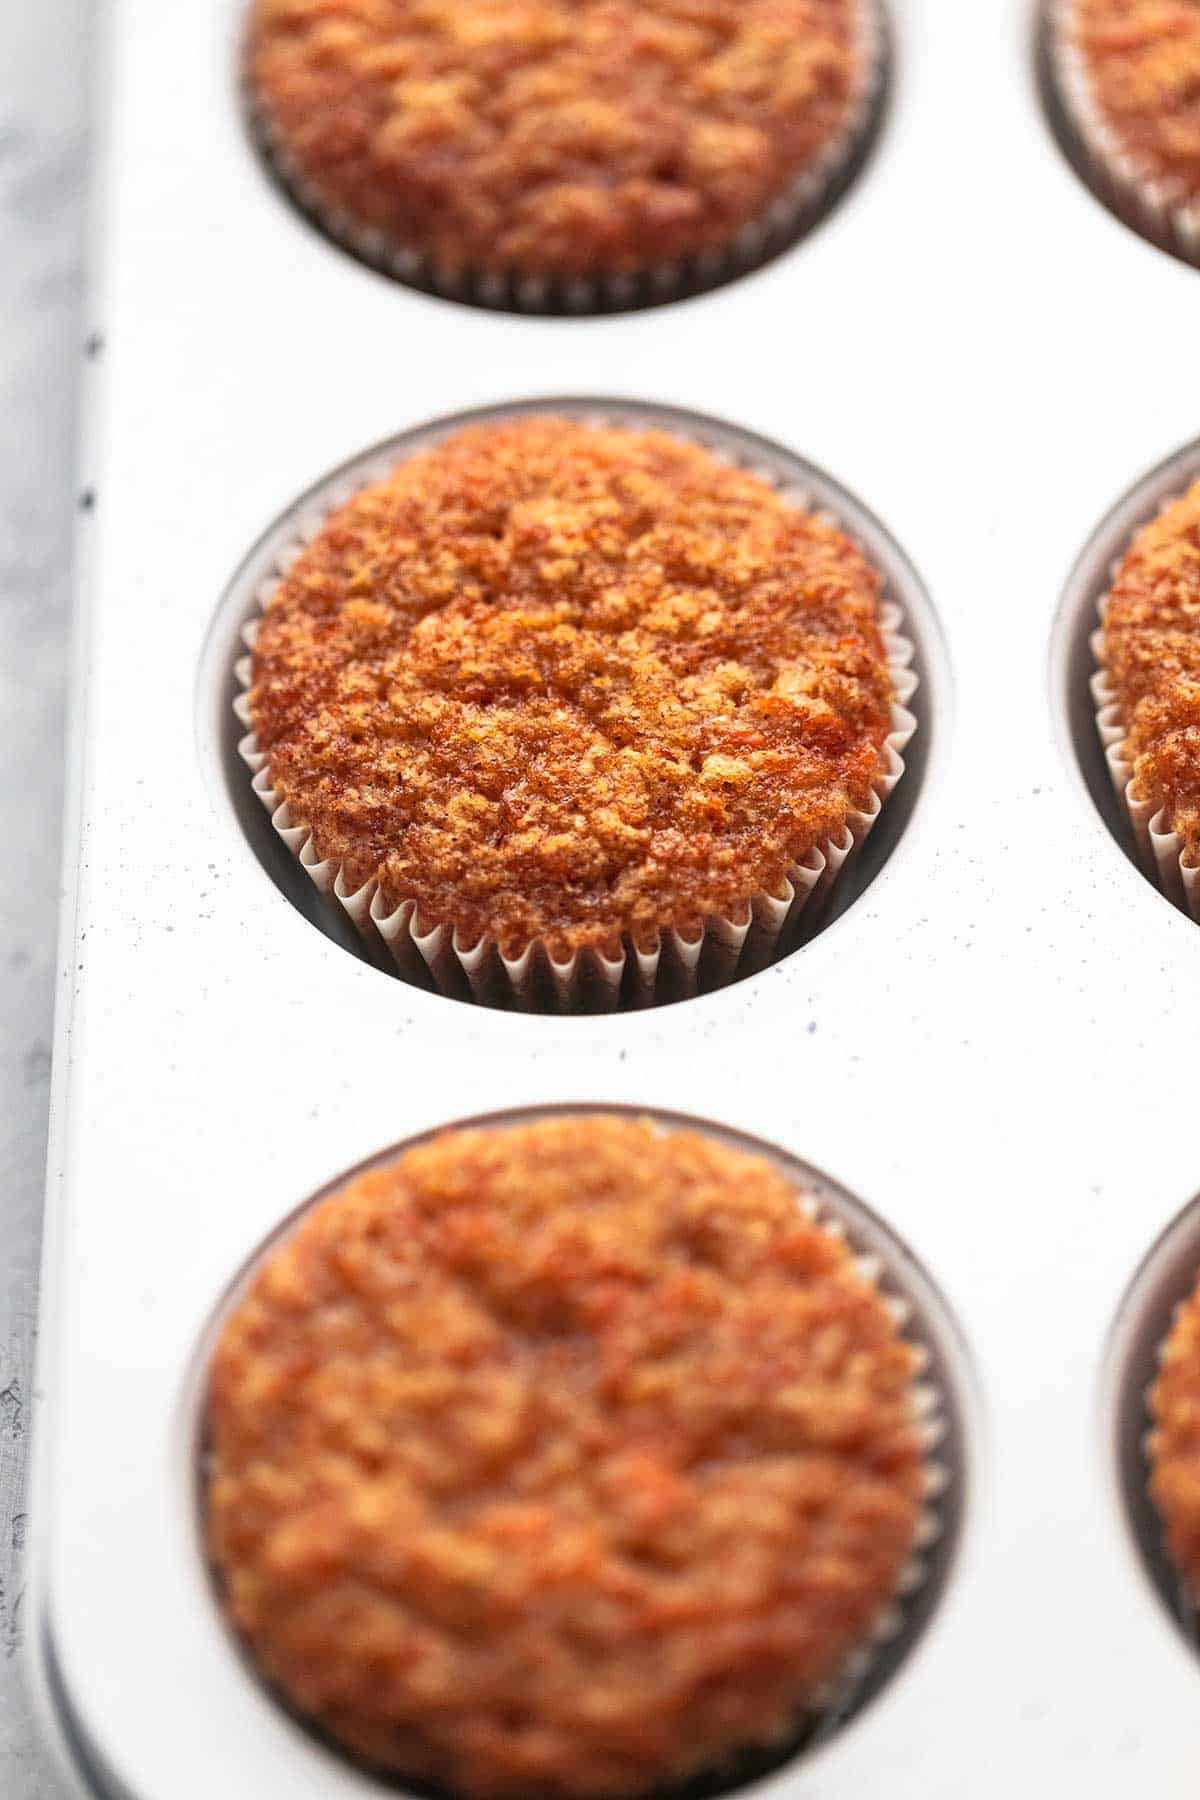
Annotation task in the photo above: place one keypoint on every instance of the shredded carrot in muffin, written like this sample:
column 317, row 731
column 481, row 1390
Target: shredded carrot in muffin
column 1143, row 60
column 573, row 683
column 1175, row 1442
column 1152, row 652
column 561, row 1460
column 554, row 137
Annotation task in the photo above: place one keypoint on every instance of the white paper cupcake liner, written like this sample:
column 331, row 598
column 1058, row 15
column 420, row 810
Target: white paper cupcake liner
column 429, row 951
column 1160, row 849
column 785, row 220
column 1164, row 211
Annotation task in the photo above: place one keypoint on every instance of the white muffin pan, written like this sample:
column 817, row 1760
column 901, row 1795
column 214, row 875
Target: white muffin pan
column 993, row 1045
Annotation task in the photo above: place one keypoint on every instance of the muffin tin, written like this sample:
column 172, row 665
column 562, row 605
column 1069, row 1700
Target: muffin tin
column 1164, row 1281
column 994, row 1046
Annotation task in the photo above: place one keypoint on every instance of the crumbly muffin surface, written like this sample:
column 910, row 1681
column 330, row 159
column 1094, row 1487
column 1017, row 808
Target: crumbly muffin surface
column 1143, row 62
column 560, row 1460
column 1175, row 1442
column 572, row 683
column 554, row 137
column 1152, row 651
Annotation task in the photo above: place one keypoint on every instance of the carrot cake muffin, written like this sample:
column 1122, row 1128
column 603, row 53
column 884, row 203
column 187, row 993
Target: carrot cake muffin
column 1150, row 649
column 572, row 684
column 560, row 1460
column 1175, row 1442
column 556, row 138
column 1130, row 76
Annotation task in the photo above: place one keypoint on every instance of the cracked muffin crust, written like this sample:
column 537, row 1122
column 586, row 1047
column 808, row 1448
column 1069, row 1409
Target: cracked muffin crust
column 1151, row 650
column 560, row 1459
column 555, row 138
column 1174, row 1444
column 574, row 684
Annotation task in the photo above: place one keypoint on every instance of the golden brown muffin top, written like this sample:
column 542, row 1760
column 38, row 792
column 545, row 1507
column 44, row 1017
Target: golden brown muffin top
column 554, row 137
column 559, row 1460
column 1143, row 62
column 571, row 682
column 1175, row 1442
column 1152, row 651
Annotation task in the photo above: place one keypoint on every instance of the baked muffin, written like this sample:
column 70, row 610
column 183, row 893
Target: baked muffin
column 565, row 1459
column 559, row 141
column 1149, row 690
column 575, row 686
column 1174, row 1443
column 1129, row 75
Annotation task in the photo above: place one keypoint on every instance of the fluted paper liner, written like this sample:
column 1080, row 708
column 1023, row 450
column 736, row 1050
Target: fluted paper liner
column 675, row 967
column 1164, row 211
column 928, row 1414
column 784, row 220
column 839, row 1692
column 1160, row 849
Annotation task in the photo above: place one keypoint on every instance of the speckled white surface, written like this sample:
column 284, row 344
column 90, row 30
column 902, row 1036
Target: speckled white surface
column 42, row 108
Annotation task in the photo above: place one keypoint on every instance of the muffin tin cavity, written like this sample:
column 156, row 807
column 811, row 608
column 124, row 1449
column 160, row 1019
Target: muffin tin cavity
column 1081, row 690
column 1166, row 1278
column 788, row 215
column 944, row 1408
column 1161, row 209
column 821, row 888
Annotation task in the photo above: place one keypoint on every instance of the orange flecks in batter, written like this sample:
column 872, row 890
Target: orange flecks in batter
column 572, row 683
column 1175, row 1442
column 1143, row 59
column 1152, row 650
column 554, row 137
column 560, row 1460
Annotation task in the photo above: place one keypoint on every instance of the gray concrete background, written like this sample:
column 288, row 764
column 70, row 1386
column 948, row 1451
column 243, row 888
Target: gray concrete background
column 44, row 99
